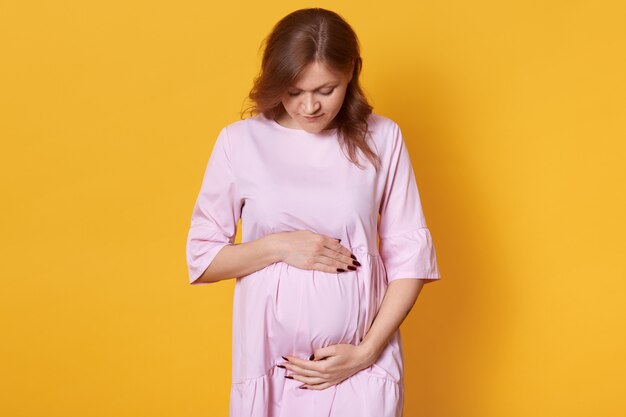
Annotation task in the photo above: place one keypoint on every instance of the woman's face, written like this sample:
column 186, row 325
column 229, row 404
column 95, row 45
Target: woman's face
column 315, row 99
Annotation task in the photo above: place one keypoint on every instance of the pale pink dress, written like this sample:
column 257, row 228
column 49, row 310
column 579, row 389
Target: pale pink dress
column 282, row 179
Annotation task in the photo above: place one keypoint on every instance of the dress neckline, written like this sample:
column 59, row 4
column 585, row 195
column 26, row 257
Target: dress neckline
column 324, row 133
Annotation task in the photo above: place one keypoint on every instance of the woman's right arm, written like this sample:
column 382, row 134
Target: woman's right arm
column 241, row 259
column 302, row 249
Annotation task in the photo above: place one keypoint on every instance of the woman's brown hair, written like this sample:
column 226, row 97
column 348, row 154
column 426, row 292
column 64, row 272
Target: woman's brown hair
column 298, row 39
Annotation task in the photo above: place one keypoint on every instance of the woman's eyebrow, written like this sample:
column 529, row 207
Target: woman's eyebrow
column 328, row 84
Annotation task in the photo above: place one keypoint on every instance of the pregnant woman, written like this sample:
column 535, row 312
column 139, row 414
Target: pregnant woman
column 335, row 248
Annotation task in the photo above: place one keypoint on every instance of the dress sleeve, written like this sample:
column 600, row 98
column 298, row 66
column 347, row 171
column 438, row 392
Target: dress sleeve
column 216, row 212
column 406, row 246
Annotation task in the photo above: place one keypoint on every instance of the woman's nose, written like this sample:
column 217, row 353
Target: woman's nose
column 310, row 105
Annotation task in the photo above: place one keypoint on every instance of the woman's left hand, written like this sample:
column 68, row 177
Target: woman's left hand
column 329, row 366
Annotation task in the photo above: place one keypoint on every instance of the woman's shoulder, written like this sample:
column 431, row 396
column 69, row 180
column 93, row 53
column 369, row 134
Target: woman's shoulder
column 241, row 129
column 384, row 131
column 378, row 123
column 380, row 119
column 245, row 123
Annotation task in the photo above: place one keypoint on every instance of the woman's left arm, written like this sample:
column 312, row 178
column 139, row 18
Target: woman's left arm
column 398, row 301
column 335, row 363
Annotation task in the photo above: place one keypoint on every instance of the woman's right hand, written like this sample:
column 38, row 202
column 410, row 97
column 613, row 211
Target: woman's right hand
column 308, row 250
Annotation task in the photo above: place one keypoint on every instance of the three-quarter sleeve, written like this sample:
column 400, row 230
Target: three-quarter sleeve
column 406, row 245
column 216, row 212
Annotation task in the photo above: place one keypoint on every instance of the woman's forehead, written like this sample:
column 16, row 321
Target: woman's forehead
column 317, row 75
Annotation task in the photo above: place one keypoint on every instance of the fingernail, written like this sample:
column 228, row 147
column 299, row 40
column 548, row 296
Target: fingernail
column 338, row 240
column 285, row 358
column 351, row 268
column 281, row 366
column 288, row 376
column 356, row 263
column 312, row 356
column 353, row 257
column 341, row 270
column 302, row 387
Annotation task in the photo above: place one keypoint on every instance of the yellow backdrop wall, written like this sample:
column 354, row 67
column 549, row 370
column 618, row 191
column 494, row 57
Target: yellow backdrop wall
column 514, row 113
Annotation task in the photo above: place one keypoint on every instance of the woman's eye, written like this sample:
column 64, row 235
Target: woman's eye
column 324, row 92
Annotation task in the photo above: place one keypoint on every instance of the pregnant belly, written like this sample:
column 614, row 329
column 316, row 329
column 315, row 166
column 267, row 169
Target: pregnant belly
column 299, row 310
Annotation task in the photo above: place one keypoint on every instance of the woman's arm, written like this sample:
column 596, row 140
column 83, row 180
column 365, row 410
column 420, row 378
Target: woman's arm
column 241, row 259
column 399, row 298
column 302, row 248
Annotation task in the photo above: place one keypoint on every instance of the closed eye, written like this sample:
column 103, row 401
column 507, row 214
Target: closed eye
column 324, row 93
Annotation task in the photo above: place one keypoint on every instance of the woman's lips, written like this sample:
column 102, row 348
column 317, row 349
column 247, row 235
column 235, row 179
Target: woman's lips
column 312, row 119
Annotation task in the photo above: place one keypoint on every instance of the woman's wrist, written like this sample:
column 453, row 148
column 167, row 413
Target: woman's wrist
column 370, row 351
column 274, row 245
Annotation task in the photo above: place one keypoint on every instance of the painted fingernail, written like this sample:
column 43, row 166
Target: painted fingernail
column 341, row 270
column 281, row 366
column 312, row 356
column 288, row 376
column 302, row 387
column 356, row 263
column 353, row 257
column 351, row 268
column 338, row 240
column 285, row 358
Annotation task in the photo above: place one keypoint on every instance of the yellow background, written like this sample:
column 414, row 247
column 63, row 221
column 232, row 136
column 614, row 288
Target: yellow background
column 514, row 113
